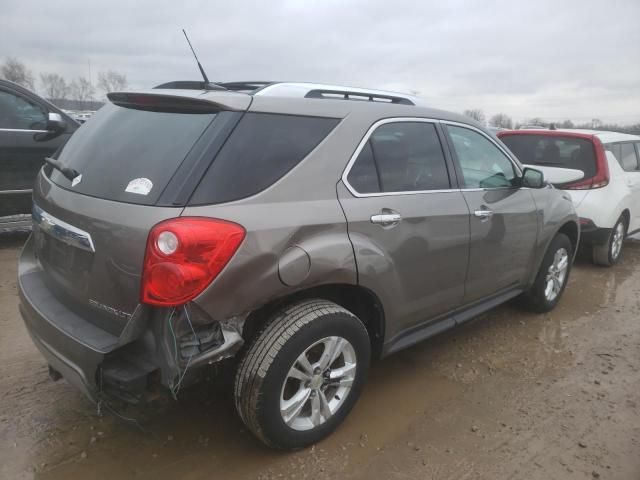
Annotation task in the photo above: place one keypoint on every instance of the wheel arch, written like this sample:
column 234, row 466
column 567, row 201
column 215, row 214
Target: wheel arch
column 571, row 230
column 359, row 300
column 626, row 214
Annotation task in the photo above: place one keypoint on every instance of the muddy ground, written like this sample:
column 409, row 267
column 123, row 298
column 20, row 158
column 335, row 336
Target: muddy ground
column 512, row 395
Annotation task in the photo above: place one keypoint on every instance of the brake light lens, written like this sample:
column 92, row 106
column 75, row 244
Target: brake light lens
column 184, row 255
column 601, row 178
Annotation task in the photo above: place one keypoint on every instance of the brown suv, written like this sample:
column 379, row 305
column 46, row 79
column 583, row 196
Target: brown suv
column 299, row 228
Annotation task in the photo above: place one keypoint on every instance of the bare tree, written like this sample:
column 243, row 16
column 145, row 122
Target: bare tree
column 81, row 89
column 475, row 113
column 501, row 120
column 55, row 87
column 112, row 81
column 566, row 124
column 16, row 71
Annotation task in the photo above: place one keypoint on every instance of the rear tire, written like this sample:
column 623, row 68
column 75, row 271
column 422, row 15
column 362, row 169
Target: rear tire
column 609, row 253
column 287, row 392
column 553, row 276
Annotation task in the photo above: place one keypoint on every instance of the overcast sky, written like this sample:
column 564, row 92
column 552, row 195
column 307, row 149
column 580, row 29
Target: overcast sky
column 552, row 59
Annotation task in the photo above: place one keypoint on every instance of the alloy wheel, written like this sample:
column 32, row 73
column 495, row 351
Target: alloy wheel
column 556, row 275
column 318, row 383
column 616, row 242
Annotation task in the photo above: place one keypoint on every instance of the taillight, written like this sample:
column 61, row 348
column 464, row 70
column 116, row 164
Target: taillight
column 184, row 255
column 601, row 178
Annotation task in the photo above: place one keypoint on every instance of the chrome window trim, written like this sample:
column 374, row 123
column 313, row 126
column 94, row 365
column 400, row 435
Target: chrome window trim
column 364, row 141
column 62, row 230
column 14, row 192
column 22, row 130
column 475, row 129
column 385, row 121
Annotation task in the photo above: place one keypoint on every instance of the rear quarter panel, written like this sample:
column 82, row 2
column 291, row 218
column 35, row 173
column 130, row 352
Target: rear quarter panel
column 605, row 205
column 257, row 272
column 299, row 210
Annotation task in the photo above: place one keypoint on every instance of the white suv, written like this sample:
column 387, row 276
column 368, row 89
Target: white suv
column 607, row 198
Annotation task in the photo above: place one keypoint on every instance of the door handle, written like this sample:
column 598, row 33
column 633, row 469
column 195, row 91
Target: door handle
column 386, row 219
column 483, row 214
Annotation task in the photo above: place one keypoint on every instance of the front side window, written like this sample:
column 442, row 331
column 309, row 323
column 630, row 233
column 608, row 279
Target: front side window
column 20, row 114
column 482, row 163
column 628, row 159
column 401, row 157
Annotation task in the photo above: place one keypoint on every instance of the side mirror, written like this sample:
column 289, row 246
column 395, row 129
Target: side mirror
column 533, row 178
column 55, row 123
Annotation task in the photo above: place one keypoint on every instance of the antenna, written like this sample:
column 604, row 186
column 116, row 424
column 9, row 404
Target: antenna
column 204, row 75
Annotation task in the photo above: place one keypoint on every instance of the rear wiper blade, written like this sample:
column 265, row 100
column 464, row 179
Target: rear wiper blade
column 70, row 173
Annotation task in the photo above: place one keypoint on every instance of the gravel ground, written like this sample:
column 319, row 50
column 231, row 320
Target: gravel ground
column 511, row 395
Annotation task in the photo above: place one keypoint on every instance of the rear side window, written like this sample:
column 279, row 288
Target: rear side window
column 616, row 149
column 482, row 163
column 363, row 176
column 628, row 159
column 554, row 151
column 261, row 149
column 400, row 157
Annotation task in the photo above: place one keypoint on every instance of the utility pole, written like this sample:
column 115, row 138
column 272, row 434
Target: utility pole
column 90, row 82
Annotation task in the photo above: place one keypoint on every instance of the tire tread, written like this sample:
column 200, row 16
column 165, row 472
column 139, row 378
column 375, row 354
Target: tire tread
column 254, row 366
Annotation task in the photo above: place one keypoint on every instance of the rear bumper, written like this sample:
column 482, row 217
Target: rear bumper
column 80, row 374
column 73, row 347
column 97, row 362
column 590, row 234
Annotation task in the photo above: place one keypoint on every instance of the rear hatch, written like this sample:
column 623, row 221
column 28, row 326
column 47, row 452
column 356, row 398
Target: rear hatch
column 137, row 162
column 550, row 149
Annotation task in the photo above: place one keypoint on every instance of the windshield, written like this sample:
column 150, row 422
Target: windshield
column 553, row 151
column 129, row 155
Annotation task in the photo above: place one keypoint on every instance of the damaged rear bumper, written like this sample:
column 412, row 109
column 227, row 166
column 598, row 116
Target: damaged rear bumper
column 155, row 348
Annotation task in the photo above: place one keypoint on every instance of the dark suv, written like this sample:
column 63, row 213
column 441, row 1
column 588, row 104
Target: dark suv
column 299, row 228
column 30, row 129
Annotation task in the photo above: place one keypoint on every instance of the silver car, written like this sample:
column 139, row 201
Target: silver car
column 295, row 230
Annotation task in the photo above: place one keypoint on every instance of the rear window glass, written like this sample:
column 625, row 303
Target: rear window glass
column 129, row 155
column 261, row 149
column 553, row 151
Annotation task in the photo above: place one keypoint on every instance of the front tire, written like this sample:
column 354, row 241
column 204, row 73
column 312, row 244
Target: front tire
column 552, row 278
column 302, row 374
column 609, row 253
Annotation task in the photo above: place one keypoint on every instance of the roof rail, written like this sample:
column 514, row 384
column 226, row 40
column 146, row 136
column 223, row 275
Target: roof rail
column 300, row 90
column 336, row 92
column 347, row 95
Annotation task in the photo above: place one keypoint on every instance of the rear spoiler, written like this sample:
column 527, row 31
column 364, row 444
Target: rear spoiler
column 178, row 102
column 558, row 175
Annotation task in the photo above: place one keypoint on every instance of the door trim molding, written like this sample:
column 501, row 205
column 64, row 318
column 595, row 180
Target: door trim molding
column 417, row 333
